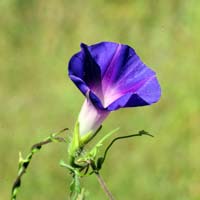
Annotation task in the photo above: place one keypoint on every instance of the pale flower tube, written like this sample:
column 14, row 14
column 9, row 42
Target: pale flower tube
column 90, row 118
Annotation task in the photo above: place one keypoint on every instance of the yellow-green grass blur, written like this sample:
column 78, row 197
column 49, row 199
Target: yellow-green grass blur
column 37, row 39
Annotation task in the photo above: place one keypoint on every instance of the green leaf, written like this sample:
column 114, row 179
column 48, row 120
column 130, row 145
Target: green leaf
column 63, row 164
column 75, row 186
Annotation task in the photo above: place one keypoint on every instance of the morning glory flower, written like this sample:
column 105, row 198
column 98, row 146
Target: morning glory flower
column 111, row 76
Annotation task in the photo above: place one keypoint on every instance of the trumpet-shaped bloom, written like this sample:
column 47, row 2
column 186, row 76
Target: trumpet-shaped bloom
column 111, row 76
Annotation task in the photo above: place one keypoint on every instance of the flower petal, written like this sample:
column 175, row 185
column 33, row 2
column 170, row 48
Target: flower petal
column 80, row 84
column 126, row 74
column 114, row 76
column 148, row 94
column 103, row 54
column 84, row 69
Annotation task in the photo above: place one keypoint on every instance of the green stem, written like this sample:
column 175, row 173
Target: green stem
column 141, row 133
column 24, row 163
column 103, row 185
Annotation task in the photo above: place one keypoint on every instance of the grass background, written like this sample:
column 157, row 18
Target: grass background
column 38, row 37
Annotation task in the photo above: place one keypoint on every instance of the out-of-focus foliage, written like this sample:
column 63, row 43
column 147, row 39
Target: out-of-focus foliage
column 38, row 37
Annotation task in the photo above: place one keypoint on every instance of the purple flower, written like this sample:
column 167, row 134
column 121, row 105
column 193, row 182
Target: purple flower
column 111, row 76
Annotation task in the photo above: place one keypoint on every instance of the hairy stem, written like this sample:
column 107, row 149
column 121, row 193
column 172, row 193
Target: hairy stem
column 103, row 185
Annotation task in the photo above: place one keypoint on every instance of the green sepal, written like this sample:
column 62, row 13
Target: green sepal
column 94, row 150
column 75, row 143
column 85, row 138
column 89, row 136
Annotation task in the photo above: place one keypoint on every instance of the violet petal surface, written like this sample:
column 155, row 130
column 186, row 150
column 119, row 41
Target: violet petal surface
column 114, row 76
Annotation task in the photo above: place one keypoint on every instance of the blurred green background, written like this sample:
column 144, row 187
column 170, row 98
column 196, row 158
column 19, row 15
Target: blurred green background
column 38, row 37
